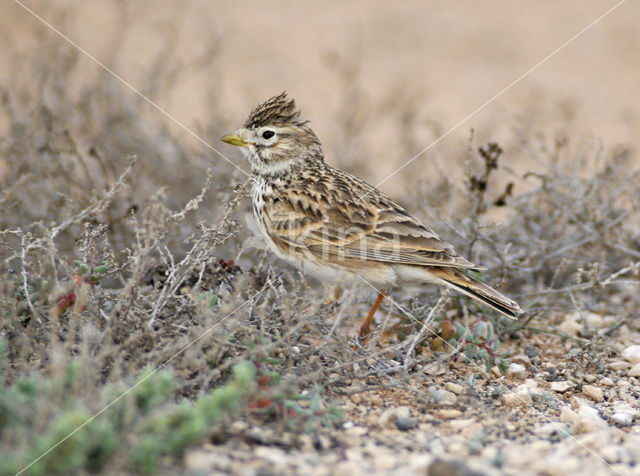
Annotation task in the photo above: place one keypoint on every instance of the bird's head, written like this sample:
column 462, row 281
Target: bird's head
column 274, row 139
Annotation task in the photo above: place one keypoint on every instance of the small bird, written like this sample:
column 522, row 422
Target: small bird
column 335, row 226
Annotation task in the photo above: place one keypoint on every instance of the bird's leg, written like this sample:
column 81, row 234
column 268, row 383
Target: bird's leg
column 364, row 329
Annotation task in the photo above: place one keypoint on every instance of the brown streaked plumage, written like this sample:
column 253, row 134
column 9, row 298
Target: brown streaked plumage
column 336, row 226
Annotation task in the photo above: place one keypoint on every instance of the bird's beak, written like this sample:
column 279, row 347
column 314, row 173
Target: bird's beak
column 234, row 139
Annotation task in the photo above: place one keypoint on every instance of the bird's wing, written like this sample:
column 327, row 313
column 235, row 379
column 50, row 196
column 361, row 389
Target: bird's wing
column 347, row 219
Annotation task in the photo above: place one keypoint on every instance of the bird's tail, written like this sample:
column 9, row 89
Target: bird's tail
column 479, row 291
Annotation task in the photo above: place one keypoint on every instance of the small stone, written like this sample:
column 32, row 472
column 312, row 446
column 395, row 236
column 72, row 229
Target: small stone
column 448, row 413
column 271, row 454
column 406, row 424
column 440, row 467
column 372, row 420
column 634, row 371
column 561, row 386
column 621, row 419
column 618, row 365
column 390, row 415
column 512, row 399
column 612, row 454
column 593, row 392
column 495, row 371
column 435, row 368
column 595, row 320
column 517, row 370
column 238, row 426
column 568, row 416
column 588, row 420
column 632, row 354
column 376, row 400
column 530, row 351
column 457, row 425
column 570, row 325
column 454, row 387
column 443, row 397
column 622, row 383
column 607, row 382
column 521, row 359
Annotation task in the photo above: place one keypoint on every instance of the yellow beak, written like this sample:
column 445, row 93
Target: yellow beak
column 234, row 139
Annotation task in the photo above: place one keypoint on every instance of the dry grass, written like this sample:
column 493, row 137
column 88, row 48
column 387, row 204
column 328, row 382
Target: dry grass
column 116, row 257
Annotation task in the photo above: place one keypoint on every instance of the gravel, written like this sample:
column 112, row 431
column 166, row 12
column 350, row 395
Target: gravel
column 571, row 413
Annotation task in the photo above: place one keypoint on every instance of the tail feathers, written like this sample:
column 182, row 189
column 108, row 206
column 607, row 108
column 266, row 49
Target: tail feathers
column 479, row 291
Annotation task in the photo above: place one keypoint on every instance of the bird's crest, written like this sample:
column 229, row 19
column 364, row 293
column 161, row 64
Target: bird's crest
column 277, row 111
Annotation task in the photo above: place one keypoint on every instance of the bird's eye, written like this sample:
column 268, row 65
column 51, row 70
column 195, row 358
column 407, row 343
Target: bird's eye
column 268, row 134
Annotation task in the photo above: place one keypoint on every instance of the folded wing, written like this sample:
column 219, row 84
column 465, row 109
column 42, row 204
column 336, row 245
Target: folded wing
column 324, row 221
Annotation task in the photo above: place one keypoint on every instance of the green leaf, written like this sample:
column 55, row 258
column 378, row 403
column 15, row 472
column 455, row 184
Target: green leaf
column 489, row 331
column 81, row 266
column 100, row 269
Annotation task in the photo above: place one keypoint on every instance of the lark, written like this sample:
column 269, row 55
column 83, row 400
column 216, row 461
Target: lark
column 337, row 227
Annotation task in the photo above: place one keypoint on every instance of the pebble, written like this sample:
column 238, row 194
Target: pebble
column 593, row 392
column 622, row 419
column 632, row 354
column 588, row 420
column 462, row 423
column 595, row 320
column 618, row 365
column 435, row 368
column 606, row 381
column 406, row 424
column 512, row 399
column 440, row 467
column 393, row 414
column 454, row 387
column 445, row 397
column 448, row 413
column 634, row 371
column 613, row 454
column 273, row 455
column 561, row 386
column 570, row 326
column 376, row 400
column 517, row 370
column 521, row 359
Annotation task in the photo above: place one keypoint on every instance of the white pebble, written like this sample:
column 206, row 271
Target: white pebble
column 517, row 370
column 634, row 371
column 632, row 354
column 622, row 419
column 561, row 386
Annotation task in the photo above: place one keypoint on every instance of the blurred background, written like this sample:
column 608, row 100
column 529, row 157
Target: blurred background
column 379, row 81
